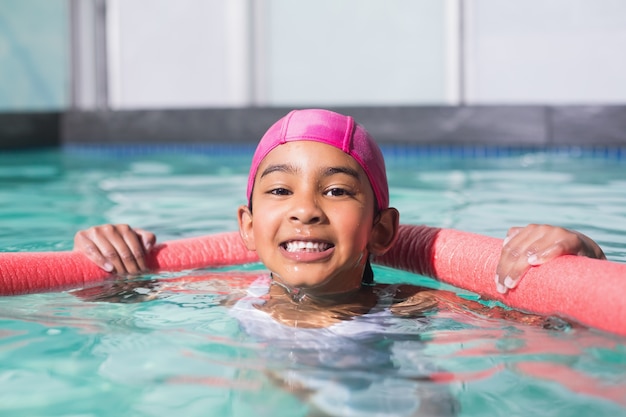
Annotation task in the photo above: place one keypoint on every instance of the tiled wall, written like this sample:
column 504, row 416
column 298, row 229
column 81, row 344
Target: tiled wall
column 529, row 127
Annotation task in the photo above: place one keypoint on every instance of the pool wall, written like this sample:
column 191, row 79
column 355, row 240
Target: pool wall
column 533, row 126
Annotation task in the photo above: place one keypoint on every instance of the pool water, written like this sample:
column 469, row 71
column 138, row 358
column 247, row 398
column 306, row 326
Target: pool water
column 172, row 343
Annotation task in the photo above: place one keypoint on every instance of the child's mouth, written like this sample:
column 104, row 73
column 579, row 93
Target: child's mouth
column 306, row 246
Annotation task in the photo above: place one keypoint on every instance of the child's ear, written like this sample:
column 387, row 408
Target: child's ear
column 244, row 217
column 384, row 232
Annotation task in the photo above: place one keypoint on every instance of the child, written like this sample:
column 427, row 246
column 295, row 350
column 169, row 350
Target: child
column 318, row 210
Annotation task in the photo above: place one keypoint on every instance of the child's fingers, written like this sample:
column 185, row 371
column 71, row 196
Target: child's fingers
column 513, row 231
column 550, row 250
column 148, row 239
column 509, row 274
column 521, row 246
column 128, row 250
column 532, row 253
column 535, row 245
column 90, row 249
column 110, row 253
column 115, row 247
column 107, row 240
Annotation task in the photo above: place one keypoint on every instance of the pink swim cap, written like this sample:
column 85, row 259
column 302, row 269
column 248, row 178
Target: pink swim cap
column 333, row 129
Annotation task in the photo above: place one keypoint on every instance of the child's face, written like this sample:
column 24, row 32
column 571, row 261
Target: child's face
column 312, row 217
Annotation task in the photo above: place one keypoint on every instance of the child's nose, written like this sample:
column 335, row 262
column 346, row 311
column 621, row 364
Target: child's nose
column 306, row 210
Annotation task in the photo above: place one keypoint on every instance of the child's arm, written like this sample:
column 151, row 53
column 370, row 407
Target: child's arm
column 535, row 245
column 116, row 248
column 417, row 301
column 524, row 247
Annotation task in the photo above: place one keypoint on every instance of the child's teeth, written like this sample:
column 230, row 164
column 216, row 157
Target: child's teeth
column 306, row 246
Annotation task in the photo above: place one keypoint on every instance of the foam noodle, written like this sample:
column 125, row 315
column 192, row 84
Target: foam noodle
column 30, row 272
column 589, row 291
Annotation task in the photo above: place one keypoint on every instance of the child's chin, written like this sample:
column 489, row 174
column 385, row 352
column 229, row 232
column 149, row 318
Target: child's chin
column 319, row 283
column 305, row 283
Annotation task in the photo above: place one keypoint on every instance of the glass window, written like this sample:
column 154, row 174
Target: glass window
column 34, row 60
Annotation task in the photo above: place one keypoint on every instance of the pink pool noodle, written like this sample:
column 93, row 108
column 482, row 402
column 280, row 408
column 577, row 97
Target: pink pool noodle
column 31, row 272
column 589, row 291
column 592, row 292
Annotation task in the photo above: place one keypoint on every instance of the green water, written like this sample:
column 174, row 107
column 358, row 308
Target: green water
column 183, row 353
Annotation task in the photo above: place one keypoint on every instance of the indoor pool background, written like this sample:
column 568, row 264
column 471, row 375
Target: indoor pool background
column 66, row 355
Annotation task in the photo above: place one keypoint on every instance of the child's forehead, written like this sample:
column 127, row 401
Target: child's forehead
column 308, row 156
column 308, row 150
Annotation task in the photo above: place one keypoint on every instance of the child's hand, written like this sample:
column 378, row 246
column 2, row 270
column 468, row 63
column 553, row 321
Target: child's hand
column 537, row 244
column 116, row 248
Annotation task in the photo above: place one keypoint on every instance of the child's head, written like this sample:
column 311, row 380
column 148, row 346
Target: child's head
column 319, row 194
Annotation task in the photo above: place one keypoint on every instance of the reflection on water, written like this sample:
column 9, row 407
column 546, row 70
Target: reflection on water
column 184, row 349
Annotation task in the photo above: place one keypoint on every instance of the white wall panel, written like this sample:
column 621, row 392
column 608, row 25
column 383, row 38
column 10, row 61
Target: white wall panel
column 183, row 53
column 362, row 52
column 545, row 51
column 222, row 53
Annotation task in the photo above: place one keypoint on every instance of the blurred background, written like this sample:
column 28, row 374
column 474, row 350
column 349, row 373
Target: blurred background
column 60, row 55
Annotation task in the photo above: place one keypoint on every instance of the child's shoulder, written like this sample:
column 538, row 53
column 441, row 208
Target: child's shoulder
column 407, row 299
column 399, row 291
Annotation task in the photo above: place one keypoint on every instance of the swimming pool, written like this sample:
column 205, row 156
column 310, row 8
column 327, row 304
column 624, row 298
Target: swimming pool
column 183, row 351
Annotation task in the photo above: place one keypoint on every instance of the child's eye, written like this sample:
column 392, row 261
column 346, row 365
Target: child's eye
column 338, row 192
column 279, row 191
